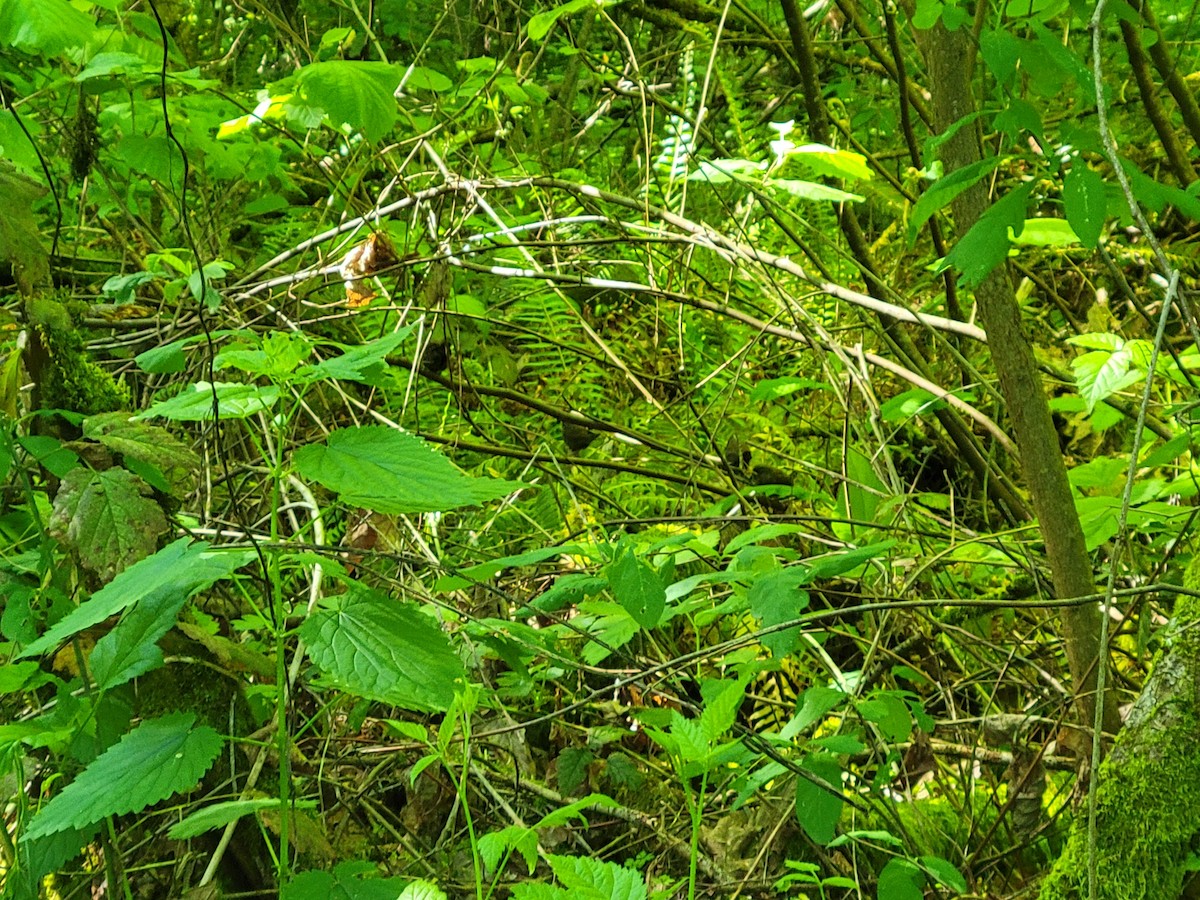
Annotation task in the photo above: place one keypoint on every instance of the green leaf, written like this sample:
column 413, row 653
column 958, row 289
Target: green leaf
column 1045, row 232
column 722, row 700
column 811, row 190
column 133, row 439
column 383, row 649
column 890, row 713
column 492, row 847
column 817, row 810
column 541, row 24
column 218, row 815
column 986, row 245
column 131, row 648
column 104, row 65
column 901, row 880
column 48, row 27
column 356, row 880
column 157, row 759
column 108, row 518
column 358, row 94
column 825, row 160
column 586, row 877
column 195, row 402
column 572, row 768
column 277, row 356
column 834, row 564
column 20, row 240
column 776, row 597
column 180, row 568
column 942, row 191
column 944, row 872
column 638, row 589
column 1085, row 203
column 394, row 472
column 358, row 363
column 49, row 452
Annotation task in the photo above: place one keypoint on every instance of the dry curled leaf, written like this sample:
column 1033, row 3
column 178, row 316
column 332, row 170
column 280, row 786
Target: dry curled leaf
column 363, row 261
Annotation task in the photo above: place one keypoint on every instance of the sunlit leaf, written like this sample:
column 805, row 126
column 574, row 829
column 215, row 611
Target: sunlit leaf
column 391, row 471
column 358, row 94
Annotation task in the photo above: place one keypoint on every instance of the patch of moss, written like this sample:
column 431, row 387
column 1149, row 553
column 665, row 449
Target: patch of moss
column 1149, row 787
column 66, row 377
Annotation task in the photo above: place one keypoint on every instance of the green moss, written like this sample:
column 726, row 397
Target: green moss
column 67, row 379
column 1149, row 788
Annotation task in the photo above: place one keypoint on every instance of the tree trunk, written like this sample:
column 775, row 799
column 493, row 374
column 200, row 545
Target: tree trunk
column 1021, row 386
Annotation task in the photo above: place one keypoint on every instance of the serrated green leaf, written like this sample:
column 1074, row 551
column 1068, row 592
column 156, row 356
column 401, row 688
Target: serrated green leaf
column 776, row 597
column 179, row 568
column 817, row 810
column 638, row 589
column 832, row 565
column 572, row 768
column 383, row 649
column 358, row 94
column 394, row 472
column 722, row 700
column 358, row 363
column 356, row 880
column 157, row 759
column 1085, row 203
column 131, row 648
column 108, row 518
column 586, row 877
column 890, row 713
column 134, row 439
column 195, row 402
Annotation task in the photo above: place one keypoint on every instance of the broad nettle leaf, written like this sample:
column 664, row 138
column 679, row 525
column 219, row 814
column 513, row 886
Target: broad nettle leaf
column 384, row 649
column 131, row 648
column 358, row 363
column 196, row 401
column 180, row 568
column 394, row 472
column 108, row 518
column 637, row 587
column 586, row 877
column 358, row 94
column 134, row 439
column 159, row 758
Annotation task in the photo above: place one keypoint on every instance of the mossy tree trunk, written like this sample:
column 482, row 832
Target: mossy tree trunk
column 1149, row 787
